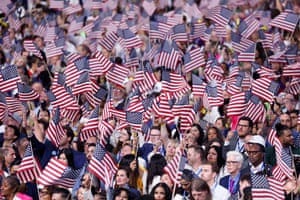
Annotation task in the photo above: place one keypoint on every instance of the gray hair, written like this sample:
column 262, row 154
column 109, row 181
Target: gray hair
column 235, row 154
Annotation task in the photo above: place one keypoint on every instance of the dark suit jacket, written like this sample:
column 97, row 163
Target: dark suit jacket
column 225, row 183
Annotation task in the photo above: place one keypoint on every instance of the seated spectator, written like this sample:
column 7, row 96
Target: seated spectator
column 161, row 192
column 200, row 190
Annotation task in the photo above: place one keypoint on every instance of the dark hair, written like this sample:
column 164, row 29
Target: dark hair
column 201, row 134
column 214, row 167
column 280, row 129
column 188, row 175
column 69, row 156
column 199, row 185
column 13, row 182
column 245, row 118
column 198, row 149
column 218, row 132
column 133, row 175
column 168, row 193
column 65, row 194
column 156, row 167
column 220, row 160
column 44, row 123
column 118, row 191
column 69, row 133
column 16, row 131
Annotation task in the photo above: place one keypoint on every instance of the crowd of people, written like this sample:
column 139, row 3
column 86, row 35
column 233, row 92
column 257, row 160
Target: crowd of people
column 149, row 99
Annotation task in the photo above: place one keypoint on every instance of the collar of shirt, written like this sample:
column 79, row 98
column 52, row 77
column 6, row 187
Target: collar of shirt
column 258, row 168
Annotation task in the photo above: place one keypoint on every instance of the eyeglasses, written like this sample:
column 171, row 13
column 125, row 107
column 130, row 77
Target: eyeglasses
column 230, row 162
column 242, row 125
column 252, row 152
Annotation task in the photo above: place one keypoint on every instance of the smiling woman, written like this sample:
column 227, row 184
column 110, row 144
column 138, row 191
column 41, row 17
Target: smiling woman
column 11, row 189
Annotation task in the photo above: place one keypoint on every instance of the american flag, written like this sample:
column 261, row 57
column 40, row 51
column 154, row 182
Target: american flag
column 198, row 86
column 29, row 168
column 60, row 95
column 57, row 173
column 248, row 26
column 213, row 71
column 185, row 112
column 70, row 9
column 213, row 95
column 286, row 21
column 238, row 83
column 8, row 78
column 175, row 167
column 264, row 187
column 6, row 6
column 93, row 4
column 168, row 56
column 128, row 39
column 197, row 28
column 283, row 170
column 104, row 64
column 52, row 51
column 26, row 93
column 106, row 129
column 76, row 24
column 56, row 4
column 55, row 130
column 248, row 55
column 102, row 165
column 291, row 53
column 91, row 127
column 191, row 9
column 158, row 30
column 149, row 6
column 41, row 29
column 117, row 74
column 172, row 82
column 179, row 33
column 3, row 108
column 255, row 109
column 294, row 86
column 265, row 88
column 193, row 59
column 220, row 15
column 265, row 39
column 31, row 47
column 74, row 70
column 263, row 71
column 220, row 31
column 132, row 59
column 134, row 119
column 83, row 85
column 109, row 40
column 98, row 97
column 14, row 21
column 166, row 19
column 238, row 103
column 162, row 108
column 206, row 35
column 14, row 105
column 239, row 44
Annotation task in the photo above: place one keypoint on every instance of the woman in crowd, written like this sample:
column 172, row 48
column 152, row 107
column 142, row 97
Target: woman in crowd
column 12, row 189
column 161, row 191
column 214, row 156
column 121, row 194
column 122, row 181
column 155, row 170
column 171, row 149
column 135, row 179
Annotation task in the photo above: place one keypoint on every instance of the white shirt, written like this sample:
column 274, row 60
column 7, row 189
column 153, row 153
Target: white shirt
column 257, row 169
column 219, row 192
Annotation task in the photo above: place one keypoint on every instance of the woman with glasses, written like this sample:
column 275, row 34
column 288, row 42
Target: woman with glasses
column 234, row 161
